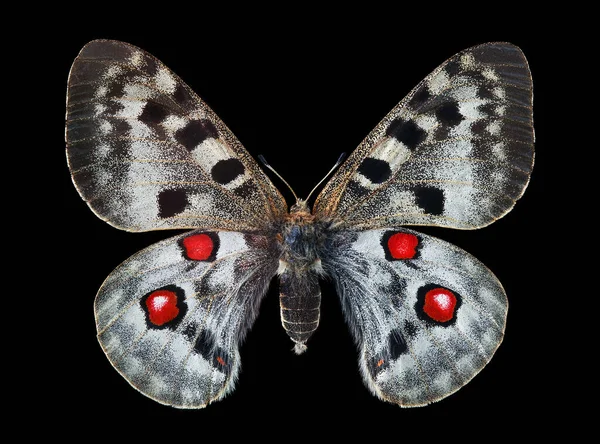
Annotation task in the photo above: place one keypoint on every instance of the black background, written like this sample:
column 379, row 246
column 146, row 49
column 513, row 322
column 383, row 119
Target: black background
column 300, row 91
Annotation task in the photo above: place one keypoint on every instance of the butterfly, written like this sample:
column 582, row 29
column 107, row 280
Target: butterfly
column 146, row 153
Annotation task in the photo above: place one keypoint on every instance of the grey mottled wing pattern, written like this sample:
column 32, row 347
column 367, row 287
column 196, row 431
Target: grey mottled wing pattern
column 457, row 151
column 427, row 316
column 171, row 317
column 145, row 152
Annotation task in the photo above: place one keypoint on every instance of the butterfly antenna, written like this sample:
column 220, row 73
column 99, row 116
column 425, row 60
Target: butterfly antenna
column 337, row 164
column 263, row 160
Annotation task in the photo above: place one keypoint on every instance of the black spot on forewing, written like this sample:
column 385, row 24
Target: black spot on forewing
column 489, row 109
column 196, row 132
column 171, row 202
column 452, row 68
column 356, row 189
column 112, row 108
column 226, row 171
column 478, row 127
column 181, row 95
column 430, row 199
column 150, row 66
column 246, row 190
column 120, row 127
column 116, row 89
column 376, row 170
column 449, row 114
column 406, row 132
column 486, row 92
column 153, row 113
column 420, row 97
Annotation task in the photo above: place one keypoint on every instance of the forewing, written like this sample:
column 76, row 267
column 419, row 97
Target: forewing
column 170, row 318
column 426, row 315
column 456, row 152
column 145, row 152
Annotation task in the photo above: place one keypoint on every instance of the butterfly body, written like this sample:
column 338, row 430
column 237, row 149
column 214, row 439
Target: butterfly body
column 146, row 153
column 302, row 240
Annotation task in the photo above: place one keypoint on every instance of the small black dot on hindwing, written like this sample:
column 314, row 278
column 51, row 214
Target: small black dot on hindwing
column 480, row 127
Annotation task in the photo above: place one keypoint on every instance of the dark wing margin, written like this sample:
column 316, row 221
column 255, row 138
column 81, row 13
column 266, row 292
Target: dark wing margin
column 455, row 152
column 145, row 152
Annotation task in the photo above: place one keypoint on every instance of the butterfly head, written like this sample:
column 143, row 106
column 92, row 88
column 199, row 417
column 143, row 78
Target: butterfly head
column 300, row 208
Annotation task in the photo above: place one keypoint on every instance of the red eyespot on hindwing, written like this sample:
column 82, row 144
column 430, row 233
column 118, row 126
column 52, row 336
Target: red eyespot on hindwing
column 200, row 246
column 437, row 304
column 399, row 245
column 164, row 307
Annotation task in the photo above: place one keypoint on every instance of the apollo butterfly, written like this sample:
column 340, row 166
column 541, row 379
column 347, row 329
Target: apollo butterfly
column 146, row 153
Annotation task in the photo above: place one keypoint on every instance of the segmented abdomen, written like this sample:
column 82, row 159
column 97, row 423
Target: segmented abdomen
column 300, row 300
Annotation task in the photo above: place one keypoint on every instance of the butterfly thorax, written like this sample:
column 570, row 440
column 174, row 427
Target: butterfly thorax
column 301, row 239
column 300, row 266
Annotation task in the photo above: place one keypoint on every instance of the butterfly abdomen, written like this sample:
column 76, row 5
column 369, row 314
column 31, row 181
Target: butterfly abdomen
column 300, row 267
column 300, row 301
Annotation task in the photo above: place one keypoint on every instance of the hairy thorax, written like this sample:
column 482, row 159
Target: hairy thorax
column 301, row 239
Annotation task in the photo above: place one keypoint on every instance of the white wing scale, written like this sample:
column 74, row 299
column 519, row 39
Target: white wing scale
column 171, row 317
column 456, row 152
column 146, row 153
column 408, row 356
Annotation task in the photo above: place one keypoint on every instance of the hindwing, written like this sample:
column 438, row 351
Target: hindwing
column 170, row 318
column 427, row 316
